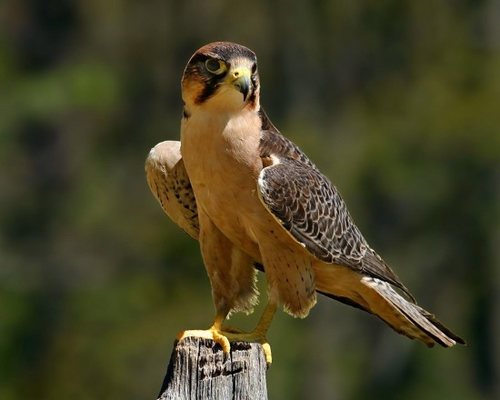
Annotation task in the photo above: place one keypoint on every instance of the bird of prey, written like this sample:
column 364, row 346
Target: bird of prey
column 253, row 199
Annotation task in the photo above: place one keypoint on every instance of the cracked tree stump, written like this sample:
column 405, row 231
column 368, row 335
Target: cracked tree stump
column 199, row 369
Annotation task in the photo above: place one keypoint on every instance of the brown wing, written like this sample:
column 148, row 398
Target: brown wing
column 168, row 180
column 312, row 210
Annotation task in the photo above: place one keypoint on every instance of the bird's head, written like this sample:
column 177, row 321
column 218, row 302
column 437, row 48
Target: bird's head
column 221, row 76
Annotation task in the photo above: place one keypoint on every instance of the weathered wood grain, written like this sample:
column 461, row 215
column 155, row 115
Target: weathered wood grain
column 199, row 369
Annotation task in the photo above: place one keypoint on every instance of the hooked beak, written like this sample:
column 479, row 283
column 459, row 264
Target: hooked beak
column 240, row 78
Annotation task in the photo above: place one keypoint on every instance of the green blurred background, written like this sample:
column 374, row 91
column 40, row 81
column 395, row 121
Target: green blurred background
column 398, row 102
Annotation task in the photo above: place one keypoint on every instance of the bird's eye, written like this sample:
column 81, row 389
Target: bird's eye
column 254, row 68
column 215, row 66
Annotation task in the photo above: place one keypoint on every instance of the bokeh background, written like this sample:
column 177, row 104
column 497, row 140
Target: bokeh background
column 397, row 101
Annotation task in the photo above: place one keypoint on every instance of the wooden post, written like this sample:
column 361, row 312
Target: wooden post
column 199, row 369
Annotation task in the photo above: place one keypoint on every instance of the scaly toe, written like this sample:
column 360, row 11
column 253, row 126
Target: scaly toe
column 266, row 347
column 220, row 338
column 211, row 333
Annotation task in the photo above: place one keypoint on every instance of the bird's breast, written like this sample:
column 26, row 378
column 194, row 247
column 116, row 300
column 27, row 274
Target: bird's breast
column 221, row 156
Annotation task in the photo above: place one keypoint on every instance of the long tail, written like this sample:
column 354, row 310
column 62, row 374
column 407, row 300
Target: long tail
column 379, row 298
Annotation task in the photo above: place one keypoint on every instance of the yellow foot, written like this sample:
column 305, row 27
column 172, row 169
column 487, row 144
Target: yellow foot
column 252, row 337
column 212, row 333
column 266, row 347
column 224, row 337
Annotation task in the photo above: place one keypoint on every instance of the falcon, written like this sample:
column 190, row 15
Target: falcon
column 254, row 200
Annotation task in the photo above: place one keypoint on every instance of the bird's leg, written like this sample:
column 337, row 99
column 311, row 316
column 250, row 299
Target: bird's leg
column 259, row 334
column 224, row 336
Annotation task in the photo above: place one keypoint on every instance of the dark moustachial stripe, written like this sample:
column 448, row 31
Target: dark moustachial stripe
column 252, row 98
column 207, row 92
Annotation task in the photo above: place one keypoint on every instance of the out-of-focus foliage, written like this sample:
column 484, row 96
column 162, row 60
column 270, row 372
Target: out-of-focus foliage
column 398, row 103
